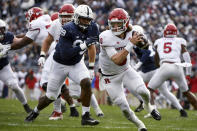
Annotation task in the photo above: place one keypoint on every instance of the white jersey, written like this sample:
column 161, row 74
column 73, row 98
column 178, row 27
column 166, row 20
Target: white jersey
column 108, row 39
column 38, row 29
column 54, row 30
column 169, row 49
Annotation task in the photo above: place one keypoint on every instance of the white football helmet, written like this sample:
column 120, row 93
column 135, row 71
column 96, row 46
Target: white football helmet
column 138, row 29
column 83, row 11
column 3, row 27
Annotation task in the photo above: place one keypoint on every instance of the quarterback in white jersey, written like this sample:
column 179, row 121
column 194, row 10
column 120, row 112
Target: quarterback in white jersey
column 168, row 52
column 114, row 61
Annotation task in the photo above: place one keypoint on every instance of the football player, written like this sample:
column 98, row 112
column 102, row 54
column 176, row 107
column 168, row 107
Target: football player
column 6, row 73
column 114, row 60
column 38, row 24
column 65, row 15
column 75, row 38
column 168, row 51
column 147, row 68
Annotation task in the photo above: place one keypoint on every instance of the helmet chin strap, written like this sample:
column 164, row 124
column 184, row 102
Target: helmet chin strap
column 117, row 33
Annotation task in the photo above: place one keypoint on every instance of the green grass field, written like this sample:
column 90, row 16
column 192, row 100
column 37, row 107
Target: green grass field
column 12, row 118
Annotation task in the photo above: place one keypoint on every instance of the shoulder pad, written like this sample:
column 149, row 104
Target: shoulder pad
column 106, row 38
column 156, row 42
column 182, row 41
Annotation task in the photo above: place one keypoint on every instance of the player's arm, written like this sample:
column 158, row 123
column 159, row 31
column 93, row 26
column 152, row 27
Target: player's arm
column 156, row 57
column 47, row 43
column 91, row 55
column 20, row 42
column 187, row 59
column 120, row 57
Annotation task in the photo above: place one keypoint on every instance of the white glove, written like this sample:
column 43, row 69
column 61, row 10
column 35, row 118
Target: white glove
column 4, row 50
column 41, row 60
column 83, row 46
column 137, row 66
column 91, row 74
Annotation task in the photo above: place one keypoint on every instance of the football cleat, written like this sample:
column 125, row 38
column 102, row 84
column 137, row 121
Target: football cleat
column 27, row 108
column 74, row 112
column 142, row 129
column 99, row 112
column 87, row 120
column 183, row 113
column 139, row 108
column 100, row 115
column 32, row 116
column 155, row 114
column 56, row 116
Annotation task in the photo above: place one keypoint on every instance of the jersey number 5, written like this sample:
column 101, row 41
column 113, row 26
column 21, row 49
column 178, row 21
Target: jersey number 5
column 167, row 47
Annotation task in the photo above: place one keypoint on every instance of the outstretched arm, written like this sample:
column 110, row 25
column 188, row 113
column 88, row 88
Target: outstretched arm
column 20, row 42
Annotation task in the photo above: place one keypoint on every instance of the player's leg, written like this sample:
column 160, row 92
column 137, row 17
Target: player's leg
column 130, row 77
column 115, row 90
column 69, row 99
column 56, row 78
column 8, row 77
column 80, row 75
column 181, row 81
column 164, row 90
column 95, row 106
column 160, row 76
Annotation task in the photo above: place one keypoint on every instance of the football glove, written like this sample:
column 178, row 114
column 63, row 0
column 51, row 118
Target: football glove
column 91, row 70
column 4, row 50
column 41, row 60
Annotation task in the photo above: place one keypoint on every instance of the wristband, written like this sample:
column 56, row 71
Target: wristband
column 91, row 65
column 42, row 54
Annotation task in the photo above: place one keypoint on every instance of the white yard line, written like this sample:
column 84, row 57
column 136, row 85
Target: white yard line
column 104, row 127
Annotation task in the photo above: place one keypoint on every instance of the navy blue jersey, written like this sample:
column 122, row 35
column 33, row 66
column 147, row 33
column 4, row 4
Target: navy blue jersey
column 66, row 52
column 8, row 39
column 148, row 62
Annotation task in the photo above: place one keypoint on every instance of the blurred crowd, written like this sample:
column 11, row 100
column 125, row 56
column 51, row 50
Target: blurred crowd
column 152, row 15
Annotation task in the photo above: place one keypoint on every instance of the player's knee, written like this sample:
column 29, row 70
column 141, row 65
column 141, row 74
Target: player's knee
column 13, row 85
column 64, row 89
column 143, row 91
column 122, row 103
column 51, row 96
column 44, row 86
column 85, row 84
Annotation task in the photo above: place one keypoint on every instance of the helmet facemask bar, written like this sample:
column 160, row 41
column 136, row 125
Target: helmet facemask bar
column 120, row 29
column 82, row 25
column 64, row 19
